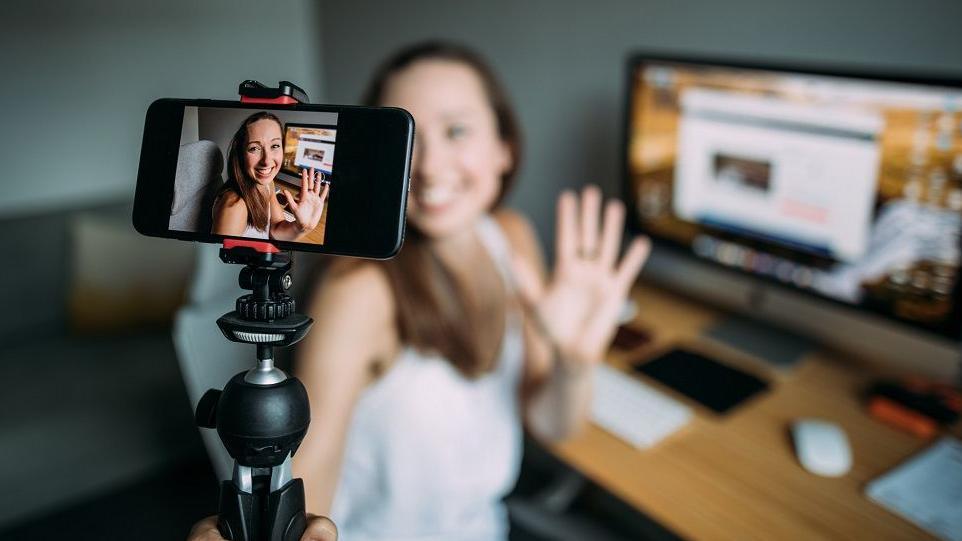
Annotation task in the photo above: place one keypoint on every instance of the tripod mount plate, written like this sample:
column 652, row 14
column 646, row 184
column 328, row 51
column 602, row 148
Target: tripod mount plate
column 280, row 332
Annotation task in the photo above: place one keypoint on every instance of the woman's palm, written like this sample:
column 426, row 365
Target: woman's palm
column 579, row 305
column 309, row 206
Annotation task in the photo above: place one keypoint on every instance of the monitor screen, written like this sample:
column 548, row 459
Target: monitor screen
column 844, row 187
column 307, row 146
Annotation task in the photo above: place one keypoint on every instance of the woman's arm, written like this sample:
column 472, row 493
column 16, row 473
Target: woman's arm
column 572, row 316
column 554, row 402
column 353, row 326
column 230, row 215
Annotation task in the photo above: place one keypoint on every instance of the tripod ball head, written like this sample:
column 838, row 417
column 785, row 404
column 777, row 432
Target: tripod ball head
column 260, row 425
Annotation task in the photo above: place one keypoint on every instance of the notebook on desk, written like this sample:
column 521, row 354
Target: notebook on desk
column 926, row 490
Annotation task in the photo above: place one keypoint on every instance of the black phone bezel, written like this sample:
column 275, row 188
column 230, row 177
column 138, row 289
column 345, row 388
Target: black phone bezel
column 377, row 141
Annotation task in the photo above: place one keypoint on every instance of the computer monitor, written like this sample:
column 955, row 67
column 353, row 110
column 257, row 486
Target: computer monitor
column 306, row 146
column 835, row 194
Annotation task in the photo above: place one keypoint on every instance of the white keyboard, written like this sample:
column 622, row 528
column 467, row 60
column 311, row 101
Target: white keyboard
column 634, row 411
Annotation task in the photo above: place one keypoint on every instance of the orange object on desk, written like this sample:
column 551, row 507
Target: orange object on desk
column 897, row 415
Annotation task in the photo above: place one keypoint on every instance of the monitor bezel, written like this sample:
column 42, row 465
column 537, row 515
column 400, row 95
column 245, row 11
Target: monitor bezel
column 952, row 329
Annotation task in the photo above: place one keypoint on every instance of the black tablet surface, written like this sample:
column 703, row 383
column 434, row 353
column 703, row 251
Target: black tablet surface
column 717, row 386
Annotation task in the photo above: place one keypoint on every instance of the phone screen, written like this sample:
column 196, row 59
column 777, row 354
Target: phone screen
column 318, row 178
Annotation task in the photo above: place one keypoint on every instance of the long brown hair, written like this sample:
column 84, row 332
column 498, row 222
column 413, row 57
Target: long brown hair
column 238, row 181
column 434, row 311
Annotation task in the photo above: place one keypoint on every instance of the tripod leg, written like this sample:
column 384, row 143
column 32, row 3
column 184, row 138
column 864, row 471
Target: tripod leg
column 237, row 511
column 286, row 508
column 266, row 507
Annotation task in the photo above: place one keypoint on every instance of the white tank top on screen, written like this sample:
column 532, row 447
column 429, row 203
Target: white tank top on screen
column 430, row 454
column 253, row 233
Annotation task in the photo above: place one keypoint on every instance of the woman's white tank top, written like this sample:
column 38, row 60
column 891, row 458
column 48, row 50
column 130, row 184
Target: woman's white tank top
column 430, row 454
column 253, row 233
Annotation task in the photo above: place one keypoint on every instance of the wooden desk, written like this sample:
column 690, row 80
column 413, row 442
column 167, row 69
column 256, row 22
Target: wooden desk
column 736, row 477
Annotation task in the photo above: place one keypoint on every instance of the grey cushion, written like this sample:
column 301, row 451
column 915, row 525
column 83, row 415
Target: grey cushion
column 199, row 167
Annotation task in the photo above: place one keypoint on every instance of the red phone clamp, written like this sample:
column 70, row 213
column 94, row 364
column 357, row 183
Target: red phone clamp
column 286, row 93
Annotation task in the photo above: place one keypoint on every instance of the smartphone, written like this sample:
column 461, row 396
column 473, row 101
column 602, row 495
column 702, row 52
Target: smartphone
column 319, row 178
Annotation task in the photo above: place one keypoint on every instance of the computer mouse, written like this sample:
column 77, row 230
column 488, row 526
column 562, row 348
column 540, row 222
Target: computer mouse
column 822, row 447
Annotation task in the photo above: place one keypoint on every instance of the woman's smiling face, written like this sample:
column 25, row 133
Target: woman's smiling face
column 459, row 158
column 263, row 152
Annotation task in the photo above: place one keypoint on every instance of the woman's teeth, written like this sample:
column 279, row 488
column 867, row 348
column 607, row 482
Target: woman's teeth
column 264, row 171
column 436, row 196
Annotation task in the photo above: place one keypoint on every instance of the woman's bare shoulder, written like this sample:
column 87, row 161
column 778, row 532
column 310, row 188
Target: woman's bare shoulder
column 356, row 286
column 230, row 214
column 230, row 200
column 353, row 310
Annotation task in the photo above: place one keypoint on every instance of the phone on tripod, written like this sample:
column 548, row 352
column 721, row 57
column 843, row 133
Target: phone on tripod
column 266, row 176
column 319, row 178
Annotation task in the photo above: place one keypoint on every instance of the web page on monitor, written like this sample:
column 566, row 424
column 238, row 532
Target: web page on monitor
column 803, row 175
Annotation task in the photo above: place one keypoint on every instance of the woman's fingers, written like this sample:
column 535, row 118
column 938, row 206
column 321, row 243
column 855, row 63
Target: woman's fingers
column 631, row 264
column 305, row 180
column 583, row 233
column 590, row 209
column 319, row 529
column 324, row 192
column 566, row 233
column 290, row 201
column 205, row 530
column 614, row 222
column 600, row 328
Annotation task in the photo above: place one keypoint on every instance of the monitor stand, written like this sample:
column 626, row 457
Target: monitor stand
column 780, row 349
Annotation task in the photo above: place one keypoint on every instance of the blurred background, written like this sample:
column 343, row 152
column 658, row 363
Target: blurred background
column 96, row 430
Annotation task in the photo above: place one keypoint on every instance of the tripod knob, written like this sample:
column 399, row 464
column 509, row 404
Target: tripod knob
column 279, row 306
column 206, row 414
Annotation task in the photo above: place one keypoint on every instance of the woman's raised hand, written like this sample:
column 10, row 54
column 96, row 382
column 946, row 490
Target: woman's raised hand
column 578, row 308
column 307, row 209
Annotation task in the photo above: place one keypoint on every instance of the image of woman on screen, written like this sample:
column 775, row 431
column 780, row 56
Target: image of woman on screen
column 246, row 206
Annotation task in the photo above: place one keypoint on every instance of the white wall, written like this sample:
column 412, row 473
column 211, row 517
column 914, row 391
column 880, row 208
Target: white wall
column 77, row 78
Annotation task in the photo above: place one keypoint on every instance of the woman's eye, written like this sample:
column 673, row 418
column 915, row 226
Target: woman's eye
column 275, row 146
column 457, row 131
column 253, row 148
